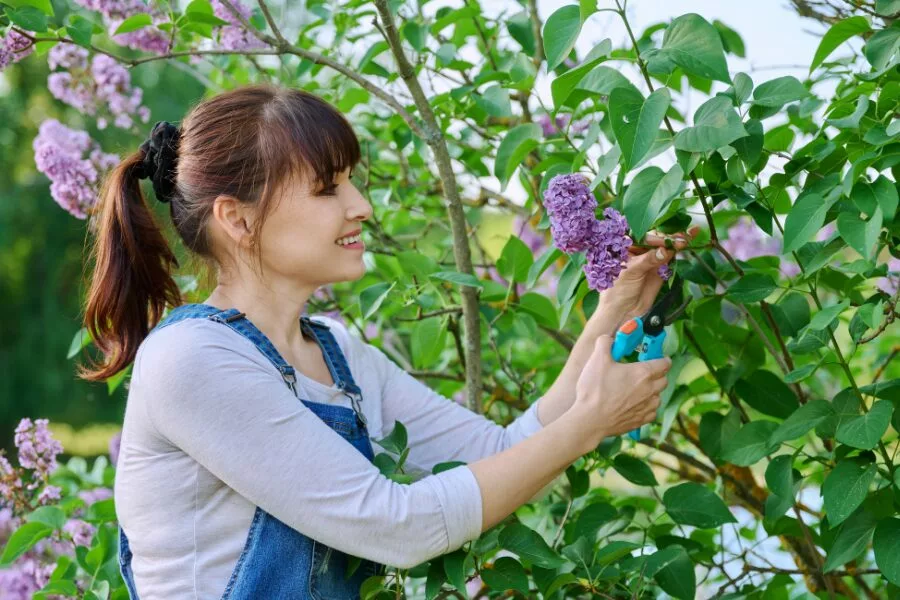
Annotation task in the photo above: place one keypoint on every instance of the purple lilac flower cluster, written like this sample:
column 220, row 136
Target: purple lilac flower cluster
column 149, row 38
column 14, row 47
column 570, row 206
column 746, row 241
column 235, row 36
column 101, row 87
column 551, row 127
column 890, row 283
column 37, row 454
column 59, row 153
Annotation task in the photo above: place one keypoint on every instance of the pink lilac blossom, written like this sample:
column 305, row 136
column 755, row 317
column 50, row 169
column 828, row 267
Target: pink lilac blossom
column 570, row 206
column 746, row 241
column 49, row 495
column 235, row 36
column 665, row 272
column 37, row 447
column 82, row 532
column 609, row 252
column 14, row 47
column 551, row 127
column 59, row 154
column 891, row 281
column 95, row 495
column 102, row 88
column 149, row 38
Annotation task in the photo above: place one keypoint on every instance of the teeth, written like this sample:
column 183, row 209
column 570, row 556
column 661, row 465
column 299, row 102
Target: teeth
column 349, row 240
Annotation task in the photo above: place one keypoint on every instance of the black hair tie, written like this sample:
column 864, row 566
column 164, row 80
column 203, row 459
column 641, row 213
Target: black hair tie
column 160, row 158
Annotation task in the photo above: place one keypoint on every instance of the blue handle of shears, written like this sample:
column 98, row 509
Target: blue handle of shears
column 626, row 341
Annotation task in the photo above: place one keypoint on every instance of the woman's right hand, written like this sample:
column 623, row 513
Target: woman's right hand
column 613, row 398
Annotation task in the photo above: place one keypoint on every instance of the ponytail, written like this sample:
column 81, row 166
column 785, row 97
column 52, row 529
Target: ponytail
column 132, row 281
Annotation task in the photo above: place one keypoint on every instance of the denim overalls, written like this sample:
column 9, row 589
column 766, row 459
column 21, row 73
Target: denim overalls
column 277, row 561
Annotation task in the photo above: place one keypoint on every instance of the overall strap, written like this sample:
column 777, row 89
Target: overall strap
column 237, row 321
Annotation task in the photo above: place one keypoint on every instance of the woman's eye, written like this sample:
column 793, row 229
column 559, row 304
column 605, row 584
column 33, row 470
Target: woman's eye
column 328, row 190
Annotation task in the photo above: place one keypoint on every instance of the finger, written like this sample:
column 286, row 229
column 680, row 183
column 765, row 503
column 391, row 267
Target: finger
column 603, row 348
column 658, row 385
column 657, row 367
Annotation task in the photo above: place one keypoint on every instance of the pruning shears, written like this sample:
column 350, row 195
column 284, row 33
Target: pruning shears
column 647, row 332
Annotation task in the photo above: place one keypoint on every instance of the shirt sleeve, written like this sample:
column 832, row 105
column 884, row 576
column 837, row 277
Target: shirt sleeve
column 439, row 429
column 212, row 394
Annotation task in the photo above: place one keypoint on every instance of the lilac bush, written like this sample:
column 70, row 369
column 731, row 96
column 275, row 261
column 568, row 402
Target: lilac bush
column 73, row 163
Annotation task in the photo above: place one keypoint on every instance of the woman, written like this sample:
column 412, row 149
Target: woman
column 245, row 469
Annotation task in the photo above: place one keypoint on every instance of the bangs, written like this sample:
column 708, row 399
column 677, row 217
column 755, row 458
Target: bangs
column 309, row 137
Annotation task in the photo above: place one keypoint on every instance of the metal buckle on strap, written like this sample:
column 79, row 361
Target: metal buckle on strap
column 354, row 400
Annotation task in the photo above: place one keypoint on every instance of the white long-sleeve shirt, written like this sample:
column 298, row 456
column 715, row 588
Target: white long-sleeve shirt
column 211, row 431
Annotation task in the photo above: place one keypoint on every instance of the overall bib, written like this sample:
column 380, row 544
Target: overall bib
column 277, row 561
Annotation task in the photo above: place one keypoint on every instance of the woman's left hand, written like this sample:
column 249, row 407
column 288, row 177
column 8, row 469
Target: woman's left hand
column 635, row 290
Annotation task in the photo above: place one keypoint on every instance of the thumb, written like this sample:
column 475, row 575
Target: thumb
column 603, row 348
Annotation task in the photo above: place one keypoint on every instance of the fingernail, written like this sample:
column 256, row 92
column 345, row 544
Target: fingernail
column 660, row 254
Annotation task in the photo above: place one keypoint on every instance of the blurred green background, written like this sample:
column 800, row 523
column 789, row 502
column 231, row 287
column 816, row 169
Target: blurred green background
column 43, row 252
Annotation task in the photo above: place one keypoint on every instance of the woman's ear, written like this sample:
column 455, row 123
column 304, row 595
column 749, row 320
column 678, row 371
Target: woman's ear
column 234, row 218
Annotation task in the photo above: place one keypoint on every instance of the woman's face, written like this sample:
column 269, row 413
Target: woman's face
column 299, row 237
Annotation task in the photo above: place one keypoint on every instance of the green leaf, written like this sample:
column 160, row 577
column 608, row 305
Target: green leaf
column 529, row 545
column 133, row 23
column 45, row 6
column 804, row 220
column 602, row 80
column 541, row 308
column 716, row 124
column 494, row 101
column 634, row 470
column 791, row 313
column 563, row 86
column 370, row 299
column 851, row 121
column 428, row 339
column 851, row 541
column 780, row 91
column 23, row 539
column 767, row 393
column 559, row 34
column 860, row 235
column 802, row 420
column 541, row 265
column 592, row 518
column 519, row 26
column 716, row 429
column 865, row 431
column 52, row 516
column 750, row 444
column 693, row 504
column 458, row 278
column 751, row 288
column 799, row 374
column 887, row 8
column 515, row 260
column 694, row 45
column 881, row 48
column 674, row 572
column 886, row 545
column 82, row 338
column 506, row 574
column 29, row 18
column 648, row 196
column 636, row 121
column 80, row 30
column 516, row 144
column 435, row 578
column 881, row 193
column 455, row 567
column 839, row 33
column 845, row 488
column 780, row 480
column 826, row 316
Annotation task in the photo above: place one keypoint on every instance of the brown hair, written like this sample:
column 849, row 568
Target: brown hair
column 242, row 143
